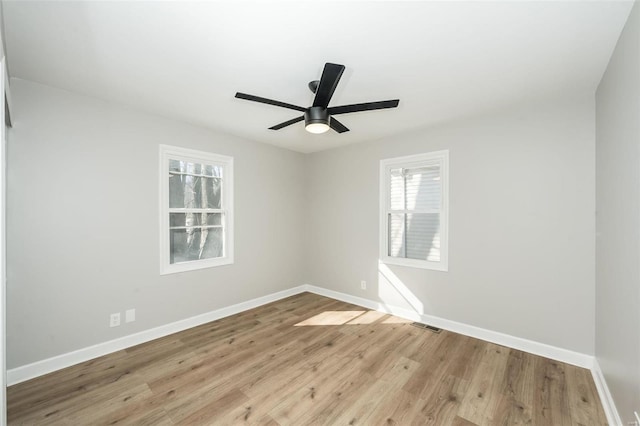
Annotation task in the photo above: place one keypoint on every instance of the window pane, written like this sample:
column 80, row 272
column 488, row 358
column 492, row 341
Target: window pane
column 208, row 170
column 422, row 188
column 175, row 165
column 176, row 191
column 194, row 192
column 415, row 189
column 194, row 219
column 423, row 236
column 414, row 236
column 214, row 194
column 396, row 235
column 195, row 244
column 213, row 171
column 397, row 190
column 191, row 168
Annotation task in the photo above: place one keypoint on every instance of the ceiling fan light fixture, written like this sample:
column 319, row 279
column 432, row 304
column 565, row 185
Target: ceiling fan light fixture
column 316, row 128
column 316, row 120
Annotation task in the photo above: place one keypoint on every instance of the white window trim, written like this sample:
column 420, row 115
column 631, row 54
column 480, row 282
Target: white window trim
column 168, row 152
column 385, row 206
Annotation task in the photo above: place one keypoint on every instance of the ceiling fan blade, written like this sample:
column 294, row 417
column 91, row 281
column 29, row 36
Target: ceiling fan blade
column 328, row 83
column 367, row 106
column 287, row 123
column 268, row 101
column 337, row 126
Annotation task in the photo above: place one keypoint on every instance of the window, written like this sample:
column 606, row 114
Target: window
column 414, row 210
column 196, row 209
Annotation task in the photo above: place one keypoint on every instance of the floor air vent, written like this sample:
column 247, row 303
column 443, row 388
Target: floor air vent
column 426, row 327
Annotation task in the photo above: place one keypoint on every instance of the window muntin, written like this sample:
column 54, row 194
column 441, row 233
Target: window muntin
column 413, row 224
column 196, row 211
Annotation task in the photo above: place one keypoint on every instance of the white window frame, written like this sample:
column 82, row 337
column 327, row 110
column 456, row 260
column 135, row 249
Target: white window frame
column 414, row 161
column 167, row 153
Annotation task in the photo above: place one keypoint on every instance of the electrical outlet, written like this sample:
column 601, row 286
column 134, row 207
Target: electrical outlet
column 363, row 285
column 130, row 315
column 114, row 320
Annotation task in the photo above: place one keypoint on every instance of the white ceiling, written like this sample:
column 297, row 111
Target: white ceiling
column 186, row 60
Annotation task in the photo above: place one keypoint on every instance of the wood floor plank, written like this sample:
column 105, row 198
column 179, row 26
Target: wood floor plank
column 174, row 365
column 422, row 343
column 516, row 406
column 434, row 358
column 390, row 382
column 191, row 393
column 400, row 408
column 348, row 407
column 113, row 410
column 483, row 395
column 443, row 402
column 551, row 401
column 467, row 357
column 210, row 411
column 311, row 360
column 584, row 401
column 344, row 396
column 70, row 382
column 459, row 421
column 305, row 397
column 61, row 408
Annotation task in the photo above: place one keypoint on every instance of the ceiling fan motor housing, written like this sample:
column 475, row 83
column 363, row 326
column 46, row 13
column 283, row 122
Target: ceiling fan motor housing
column 315, row 115
column 316, row 119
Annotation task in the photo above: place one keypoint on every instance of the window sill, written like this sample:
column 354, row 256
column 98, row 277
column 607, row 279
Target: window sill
column 194, row 265
column 413, row 263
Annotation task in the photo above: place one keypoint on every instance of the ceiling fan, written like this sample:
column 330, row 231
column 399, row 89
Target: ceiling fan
column 318, row 118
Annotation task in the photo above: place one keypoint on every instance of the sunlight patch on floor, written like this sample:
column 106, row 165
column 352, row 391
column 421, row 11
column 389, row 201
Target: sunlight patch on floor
column 367, row 318
column 331, row 318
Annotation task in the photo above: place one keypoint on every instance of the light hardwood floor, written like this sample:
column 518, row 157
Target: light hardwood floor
column 310, row 360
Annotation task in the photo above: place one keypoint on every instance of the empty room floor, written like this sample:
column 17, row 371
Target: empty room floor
column 308, row 359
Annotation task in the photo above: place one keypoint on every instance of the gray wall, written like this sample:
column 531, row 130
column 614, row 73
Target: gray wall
column 521, row 223
column 83, row 223
column 618, row 221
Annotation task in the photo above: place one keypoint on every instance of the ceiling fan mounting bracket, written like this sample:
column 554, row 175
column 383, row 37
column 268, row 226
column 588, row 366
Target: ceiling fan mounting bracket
column 313, row 85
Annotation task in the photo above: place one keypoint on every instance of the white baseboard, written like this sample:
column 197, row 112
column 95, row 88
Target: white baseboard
column 39, row 368
column 537, row 348
column 613, row 418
